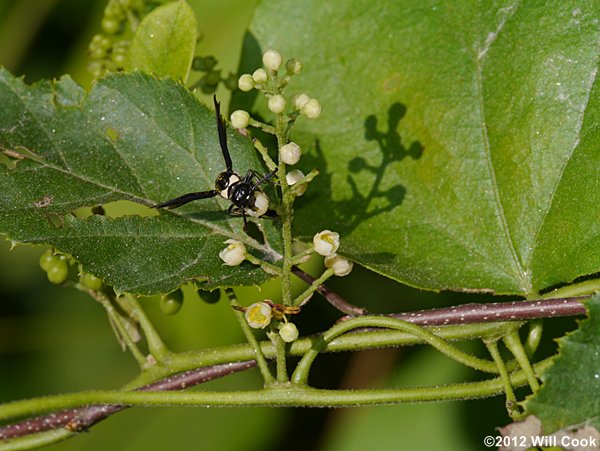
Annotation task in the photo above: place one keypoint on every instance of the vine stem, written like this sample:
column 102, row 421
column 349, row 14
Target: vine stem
column 155, row 344
column 79, row 419
column 497, row 311
column 178, row 362
column 289, row 396
column 513, row 343
column 511, row 400
column 117, row 321
column 300, row 375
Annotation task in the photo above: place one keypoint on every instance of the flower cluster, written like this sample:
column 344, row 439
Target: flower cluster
column 272, row 83
column 272, row 79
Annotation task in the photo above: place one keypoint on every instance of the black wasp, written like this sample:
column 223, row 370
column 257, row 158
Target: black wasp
column 229, row 185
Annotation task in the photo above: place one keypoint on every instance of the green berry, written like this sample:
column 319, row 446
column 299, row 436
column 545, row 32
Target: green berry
column 105, row 43
column 231, row 82
column 206, row 89
column 100, row 42
column 58, row 272
column 171, row 303
column 110, row 26
column 119, row 59
column 47, row 260
column 209, row 82
column 97, row 53
column 114, row 11
column 213, row 77
column 210, row 297
column 91, row 281
column 204, row 64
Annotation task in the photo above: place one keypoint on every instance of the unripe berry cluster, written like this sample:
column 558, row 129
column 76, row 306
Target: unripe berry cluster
column 209, row 82
column 108, row 51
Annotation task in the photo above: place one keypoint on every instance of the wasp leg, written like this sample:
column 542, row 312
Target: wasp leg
column 233, row 210
column 182, row 200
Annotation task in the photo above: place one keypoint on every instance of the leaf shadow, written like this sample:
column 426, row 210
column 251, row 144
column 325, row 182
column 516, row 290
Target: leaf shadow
column 377, row 197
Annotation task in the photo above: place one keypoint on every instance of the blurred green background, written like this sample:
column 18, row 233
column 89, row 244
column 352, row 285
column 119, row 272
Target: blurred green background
column 55, row 340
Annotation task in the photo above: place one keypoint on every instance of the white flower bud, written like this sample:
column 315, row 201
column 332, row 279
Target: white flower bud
column 276, row 103
column 293, row 177
column 234, row 254
column 272, row 59
column 261, row 203
column 258, row 315
column 340, row 265
column 260, row 76
column 288, row 332
column 240, row 119
column 299, row 101
column 326, row 242
column 246, row 82
column 293, row 66
column 290, row 153
column 312, row 109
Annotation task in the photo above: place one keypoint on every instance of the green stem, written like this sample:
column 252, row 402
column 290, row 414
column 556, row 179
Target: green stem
column 36, row 440
column 300, row 375
column 258, row 354
column 297, row 189
column 271, row 165
column 264, row 127
column 155, row 344
column 513, row 343
column 287, row 201
column 573, row 290
column 349, row 342
column 295, row 396
column 301, row 257
column 303, row 297
column 280, row 357
column 121, row 330
column 511, row 400
column 269, row 268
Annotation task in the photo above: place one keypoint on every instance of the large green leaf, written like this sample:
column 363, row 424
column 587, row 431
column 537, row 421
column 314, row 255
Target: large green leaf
column 165, row 41
column 458, row 140
column 132, row 137
column 569, row 394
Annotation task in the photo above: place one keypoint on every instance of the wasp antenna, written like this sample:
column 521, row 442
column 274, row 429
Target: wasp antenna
column 265, row 178
column 222, row 135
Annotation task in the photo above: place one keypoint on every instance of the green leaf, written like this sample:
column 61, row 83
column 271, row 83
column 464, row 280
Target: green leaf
column 458, row 140
column 165, row 41
column 133, row 137
column 569, row 394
